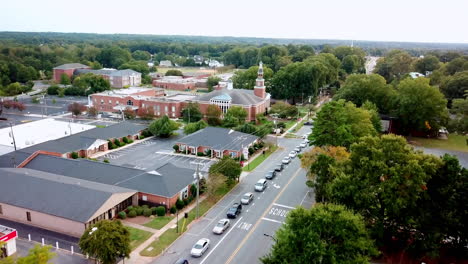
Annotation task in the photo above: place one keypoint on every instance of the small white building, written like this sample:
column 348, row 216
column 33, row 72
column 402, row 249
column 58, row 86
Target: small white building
column 8, row 236
column 165, row 63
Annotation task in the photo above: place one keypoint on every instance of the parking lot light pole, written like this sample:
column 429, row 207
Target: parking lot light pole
column 272, row 237
column 197, row 177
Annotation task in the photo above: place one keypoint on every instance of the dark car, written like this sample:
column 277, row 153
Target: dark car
column 270, row 175
column 234, row 210
column 279, row 167
column 182, row 261
column 308, row 123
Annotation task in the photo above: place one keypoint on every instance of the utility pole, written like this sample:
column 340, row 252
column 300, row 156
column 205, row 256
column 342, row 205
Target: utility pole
column 197, row 176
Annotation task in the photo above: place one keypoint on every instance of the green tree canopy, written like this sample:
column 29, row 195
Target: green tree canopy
column 420, row 106
column 341, row 123
column 107, row 241
column 114, row 56
column 428, row 63
column 394, row 65
column 139, row 66
column 454, row 87
column 235, row 116
column 213, row 115
column 327, row 233
column 36, row 255
column 284, row 110
column 64, row 79
column 228, row 167
column 212, row 81
column 359, row 88
column 141, row 55
column 163, row 127
column 193, row 127
column 459, row 121
column 246, row 79
column 191, row 113
column 174, row 73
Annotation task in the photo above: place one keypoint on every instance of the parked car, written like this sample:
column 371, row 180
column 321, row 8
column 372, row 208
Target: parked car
column 303, row 145
column 247, row 198
column 292, row 154
column 298, row 149
column 261, row 185
column 270, row 175
column 306, row 141
column 221, row 226
column 182, row 261
column 308, row 123
column 200, row 247
column 286, row 160
column 279, row 167
column 234, row 211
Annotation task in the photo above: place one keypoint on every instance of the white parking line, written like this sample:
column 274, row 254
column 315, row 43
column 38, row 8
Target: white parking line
column 272, row 220
column 305, row 196
column 209, row 253
column 285, row 206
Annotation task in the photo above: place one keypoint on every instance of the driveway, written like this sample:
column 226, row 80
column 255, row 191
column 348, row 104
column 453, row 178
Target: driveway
column 23, row 247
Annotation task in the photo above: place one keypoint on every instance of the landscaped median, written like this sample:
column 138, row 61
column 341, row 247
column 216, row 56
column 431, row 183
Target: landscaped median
column 258, row 160
column 168, row 237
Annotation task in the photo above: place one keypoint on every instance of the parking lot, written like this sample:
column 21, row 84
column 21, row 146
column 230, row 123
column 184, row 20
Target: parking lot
column 153, row 153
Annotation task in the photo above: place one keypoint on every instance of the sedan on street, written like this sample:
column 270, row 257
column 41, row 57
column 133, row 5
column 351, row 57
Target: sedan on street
column 279, row 167
column 292, row 154
column 270, row 175
column 234, row 211
column 221, row 226
column 261, row 185
column 303, row 145
column 286, row 160
column 247, row 198
column 200, row 247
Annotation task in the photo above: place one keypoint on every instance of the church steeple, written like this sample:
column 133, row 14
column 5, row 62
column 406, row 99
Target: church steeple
column 259, row 89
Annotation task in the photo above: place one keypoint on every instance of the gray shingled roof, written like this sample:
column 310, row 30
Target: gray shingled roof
column 167, row 182
column 239, row 96
column 71, row 66
column 219, row 138
column 86, row 138
column 12, row 159
column 53, row 194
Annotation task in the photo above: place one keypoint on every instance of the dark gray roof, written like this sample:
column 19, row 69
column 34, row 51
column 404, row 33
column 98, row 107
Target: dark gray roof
column 239, row 96
column 167, row 181
column 12, row 159
column 53, row 194
column 85, row 139
column 219, row 138
column 71, row 66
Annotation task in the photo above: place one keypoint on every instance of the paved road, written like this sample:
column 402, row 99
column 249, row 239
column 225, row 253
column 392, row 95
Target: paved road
column 62, row 257
column 244, row 241
column 462, row 156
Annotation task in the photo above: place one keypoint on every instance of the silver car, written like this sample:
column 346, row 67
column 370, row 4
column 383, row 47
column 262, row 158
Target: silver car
column 261, row 185
column 221, row 226
column 247, row 198
column 292, row 154
column 286, row 160
column 200, row 247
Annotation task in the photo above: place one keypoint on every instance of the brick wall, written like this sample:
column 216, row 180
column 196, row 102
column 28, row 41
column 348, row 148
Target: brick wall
column 169, row 202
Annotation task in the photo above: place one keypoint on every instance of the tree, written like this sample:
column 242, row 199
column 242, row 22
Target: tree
column 37, row 255
column 53, row 89
column 427, row 64
column 213, row 115
column 327, row 233
column 129, row 113
column 107, row 241
column 454, row 87
column 92, row 111
column 139, row 66
column 213, row 183
column 65, row 79
column 459, row 121
column 420, row 106
column 359, row 88
column 163, row 127
column 193, row 127
column 174, row 73
column 284, row 110
column 11, row 104
column 352, row 64
column 228, row 167
column 235, row 116
column 141, row 55
column 374, row 112
column 146, row 113
column 91, row 83
column 192, row 113
column 395, row 65
column 212, row 81
column 457, row 65
column 246, row 79
column 114, row 56
column 76, row 108
column 341, row 123
column 247, row 128
column 383, row 181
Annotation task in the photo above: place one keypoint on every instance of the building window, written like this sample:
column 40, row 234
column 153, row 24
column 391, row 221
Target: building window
column 158, row 108
column 165, row 108
column 129, row 102
column 143, row 105
column 1, row 210
column 173, row 109
column 110, row 101
column 233, row 154
column 28, row 216
column 144, row 198
column 173, row 114
column 102, row 101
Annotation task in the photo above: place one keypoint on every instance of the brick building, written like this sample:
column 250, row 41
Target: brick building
column 175, row 83
column 117, row 78
column 68, row 69
column 253, row 101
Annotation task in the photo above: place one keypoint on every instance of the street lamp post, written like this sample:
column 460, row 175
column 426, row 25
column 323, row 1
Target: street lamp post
column 197, row 177
column 272, row 237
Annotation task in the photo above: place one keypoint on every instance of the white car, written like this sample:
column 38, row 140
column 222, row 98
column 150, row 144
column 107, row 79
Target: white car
column 292, row 154
column 303, row 145
column 286, row 160
column 306, row 141
column 200, row 247
column 247, row 198
column 298, row 149
column 261, row 185
column 221, row 226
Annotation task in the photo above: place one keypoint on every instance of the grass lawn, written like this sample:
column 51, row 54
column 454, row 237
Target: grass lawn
column 290, row 123
column 258, row 160
column 454, row 142
column 299, row 126
column 159, row 222
column 137, row 236
column 170, row 235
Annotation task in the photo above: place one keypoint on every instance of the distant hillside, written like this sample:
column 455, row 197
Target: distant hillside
column 67, row 38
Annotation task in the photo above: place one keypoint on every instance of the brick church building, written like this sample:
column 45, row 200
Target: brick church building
column 253, row 101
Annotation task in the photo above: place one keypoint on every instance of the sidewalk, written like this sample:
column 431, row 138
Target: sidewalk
column 135, row 257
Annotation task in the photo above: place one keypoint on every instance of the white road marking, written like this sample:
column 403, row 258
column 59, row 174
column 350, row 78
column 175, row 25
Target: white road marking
column 209, row 253
column 272, row 220
column 245, row 226
column 304, row 197
column 278, row 212
column 285, row 206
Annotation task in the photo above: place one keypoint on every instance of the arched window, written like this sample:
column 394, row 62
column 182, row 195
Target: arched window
column 129, row 102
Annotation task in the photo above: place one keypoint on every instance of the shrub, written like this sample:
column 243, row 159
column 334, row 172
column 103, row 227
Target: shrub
column 193, row 190
column 74, row 155
column 147, row 212
column 130, row 141
column 140, row 137
column 145, row 206
column 125, row 140
column 180, row 204
column 53, row 90
column 153, row 210
column 173, row 209
column 190, row 199
column 139, row 210
column 117, row 142
column 106, row 161
column 122, row 215
column 200, row 154
column 130, row 208
column 132, row 213
column 161, row 211
column 110, row 145
column 176, row 148
column 186, row 202
column 208, row 152
column 251, row 151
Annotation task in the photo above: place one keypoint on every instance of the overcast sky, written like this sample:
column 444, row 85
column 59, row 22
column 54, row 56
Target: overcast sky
column 386, row 20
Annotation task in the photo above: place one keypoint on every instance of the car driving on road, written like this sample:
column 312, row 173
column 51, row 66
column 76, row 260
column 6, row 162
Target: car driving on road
column 270, row 175
column 221, row 226
column 200, row 247
column 234, row 211
column 286, row 160
column 292, row 154
column 261, row 185
column 247, row 198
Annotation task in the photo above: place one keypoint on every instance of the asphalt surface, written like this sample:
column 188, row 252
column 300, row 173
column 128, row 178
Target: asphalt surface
column 244, row 241
column 62, row 257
